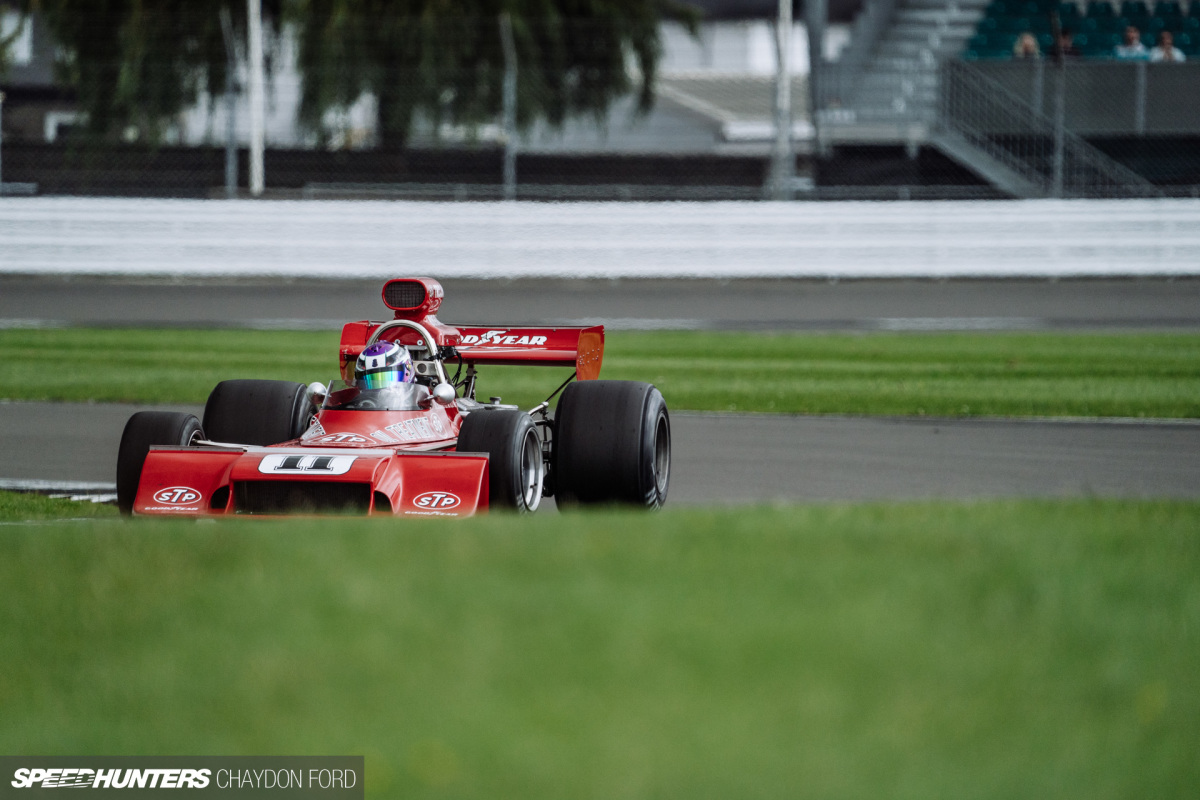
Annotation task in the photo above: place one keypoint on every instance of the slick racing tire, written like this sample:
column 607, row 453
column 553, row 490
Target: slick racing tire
column 612, row 444
column 143, row 430
column 257, row 412
column 515, row 468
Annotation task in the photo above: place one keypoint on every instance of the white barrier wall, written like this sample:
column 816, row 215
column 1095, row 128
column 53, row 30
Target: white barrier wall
column 383, row 239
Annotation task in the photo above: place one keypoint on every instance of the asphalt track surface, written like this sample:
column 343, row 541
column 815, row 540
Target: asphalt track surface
column 744, row 304
column 726, row 459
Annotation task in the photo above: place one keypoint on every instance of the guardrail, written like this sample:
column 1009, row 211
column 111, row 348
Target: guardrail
column 1108, row 98
column 1101, row 98
column 975, row 109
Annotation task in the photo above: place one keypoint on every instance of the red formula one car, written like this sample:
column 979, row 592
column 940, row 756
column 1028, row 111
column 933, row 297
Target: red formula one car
column 398, row 434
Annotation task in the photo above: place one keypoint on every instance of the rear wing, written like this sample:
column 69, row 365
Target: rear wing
column 581, row 348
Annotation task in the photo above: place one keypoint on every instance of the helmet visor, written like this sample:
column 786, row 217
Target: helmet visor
column 381, row 378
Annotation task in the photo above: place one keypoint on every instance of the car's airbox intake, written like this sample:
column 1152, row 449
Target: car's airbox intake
column 404, row 295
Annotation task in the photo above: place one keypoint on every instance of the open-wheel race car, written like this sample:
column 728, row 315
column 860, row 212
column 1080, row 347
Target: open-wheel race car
column 401, row 433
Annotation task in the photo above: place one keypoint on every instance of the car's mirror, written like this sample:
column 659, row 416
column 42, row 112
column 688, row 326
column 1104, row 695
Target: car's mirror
column 316, row 393
column 444, row 394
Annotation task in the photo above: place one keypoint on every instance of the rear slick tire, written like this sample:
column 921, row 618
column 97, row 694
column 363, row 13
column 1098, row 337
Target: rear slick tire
column 257, row 412
column 516, row 472
column 612, row 444
column 144, row 430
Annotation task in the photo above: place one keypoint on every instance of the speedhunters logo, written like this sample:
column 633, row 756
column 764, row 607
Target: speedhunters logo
column 80, row 778
column 150, row 776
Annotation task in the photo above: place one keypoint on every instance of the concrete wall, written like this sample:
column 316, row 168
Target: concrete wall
column 596, row 240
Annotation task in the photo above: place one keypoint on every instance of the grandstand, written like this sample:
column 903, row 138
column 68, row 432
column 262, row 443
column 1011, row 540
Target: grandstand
column 940, row 75
column 1097, row 27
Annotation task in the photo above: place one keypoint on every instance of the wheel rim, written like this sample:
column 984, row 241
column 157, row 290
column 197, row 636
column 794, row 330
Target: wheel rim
column 533, row 471
column 662, row 456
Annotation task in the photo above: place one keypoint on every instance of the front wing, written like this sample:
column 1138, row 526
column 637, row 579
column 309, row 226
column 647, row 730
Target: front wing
column 226, row 481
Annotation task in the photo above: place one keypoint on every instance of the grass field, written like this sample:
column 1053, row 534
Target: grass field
column 22, row 506
column 943, row 374
column 998, row 650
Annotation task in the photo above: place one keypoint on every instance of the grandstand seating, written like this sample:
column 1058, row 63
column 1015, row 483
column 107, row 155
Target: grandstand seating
column 1098, row 26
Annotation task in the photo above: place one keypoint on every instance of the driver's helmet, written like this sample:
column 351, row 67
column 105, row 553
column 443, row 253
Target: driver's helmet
column 383, row 364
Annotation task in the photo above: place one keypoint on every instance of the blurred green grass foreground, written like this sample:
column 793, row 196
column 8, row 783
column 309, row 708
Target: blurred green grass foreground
column 917, row 650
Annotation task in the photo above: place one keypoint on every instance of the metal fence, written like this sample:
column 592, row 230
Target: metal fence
column 979, row 112
column 445, row 173
column 1109, row 98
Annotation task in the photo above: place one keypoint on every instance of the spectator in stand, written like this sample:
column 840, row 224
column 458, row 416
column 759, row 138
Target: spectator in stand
column 1065, row 46
column 1132, row 49
column 1166, row 50
column 1026, row 46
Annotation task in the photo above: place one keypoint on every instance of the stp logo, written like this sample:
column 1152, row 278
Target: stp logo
column 438, row 500
column 176, row 496
column 341, row 438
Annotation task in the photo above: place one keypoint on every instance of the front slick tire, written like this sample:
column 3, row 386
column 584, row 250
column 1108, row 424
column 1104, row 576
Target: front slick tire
column 144, row 430
column 257, row 412
column 612, row 444
column 515, row 467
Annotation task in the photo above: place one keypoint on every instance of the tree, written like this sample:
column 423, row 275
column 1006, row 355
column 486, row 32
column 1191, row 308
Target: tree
column 141, row 62
column 443, row 58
